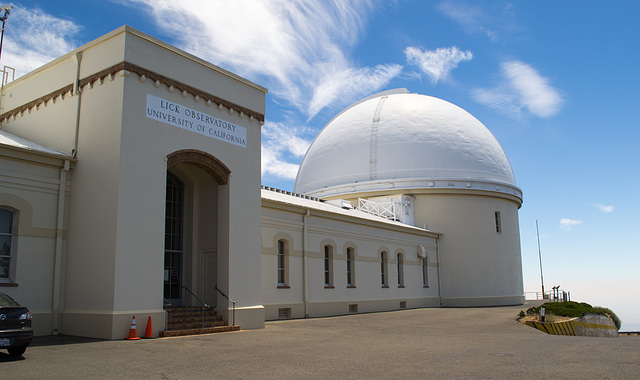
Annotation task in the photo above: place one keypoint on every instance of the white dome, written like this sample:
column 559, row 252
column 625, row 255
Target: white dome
column 398, row 140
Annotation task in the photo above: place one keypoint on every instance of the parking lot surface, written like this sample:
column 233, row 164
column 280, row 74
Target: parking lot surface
column 460, row 343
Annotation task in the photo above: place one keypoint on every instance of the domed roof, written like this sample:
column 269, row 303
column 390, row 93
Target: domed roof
column 399, row 140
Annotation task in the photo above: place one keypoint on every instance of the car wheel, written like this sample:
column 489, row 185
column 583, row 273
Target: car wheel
column 17, row 351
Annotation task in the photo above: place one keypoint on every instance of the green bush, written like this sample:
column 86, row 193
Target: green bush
column 573, row 309
column 521, row 314
column 566, row 309
column 610, row 314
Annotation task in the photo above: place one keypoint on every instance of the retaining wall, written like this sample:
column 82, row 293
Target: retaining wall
column 589, row 325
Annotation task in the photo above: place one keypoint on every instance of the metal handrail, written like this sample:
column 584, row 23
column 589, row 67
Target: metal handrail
column 232, row 302
column 201, row 301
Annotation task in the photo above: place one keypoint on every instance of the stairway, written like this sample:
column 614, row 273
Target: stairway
column 189, row 322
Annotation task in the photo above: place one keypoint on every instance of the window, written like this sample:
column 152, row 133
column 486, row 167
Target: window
column 498, row 225
column 173, row 238
column 350, row 268
column 328, row 263
column 425, row 272
column 283, row 248
column 383, row 270
column 6, row 243
column 400, row 270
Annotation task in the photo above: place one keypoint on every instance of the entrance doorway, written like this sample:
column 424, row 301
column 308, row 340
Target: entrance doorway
column 196, row 229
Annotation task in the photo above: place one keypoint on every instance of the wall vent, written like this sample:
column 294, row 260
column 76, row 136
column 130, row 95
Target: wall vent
column 284, row 313
column 353, row 308
column 403, row 304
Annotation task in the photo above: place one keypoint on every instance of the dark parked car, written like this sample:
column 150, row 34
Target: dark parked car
column 15, row 326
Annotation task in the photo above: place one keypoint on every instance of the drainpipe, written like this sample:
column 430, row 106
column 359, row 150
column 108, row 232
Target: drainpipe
column 77, row 91
column 438, row 271
column 305, row 221
column 57, row 259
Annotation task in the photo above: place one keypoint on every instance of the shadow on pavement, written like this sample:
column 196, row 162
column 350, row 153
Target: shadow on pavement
column 60, row 340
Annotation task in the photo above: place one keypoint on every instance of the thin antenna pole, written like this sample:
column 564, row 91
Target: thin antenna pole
column 3, row 17
column 540, row 257
column 2, row 37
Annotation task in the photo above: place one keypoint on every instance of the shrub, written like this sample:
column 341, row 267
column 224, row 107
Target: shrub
column 521, row 314
column 610, row 314
column 574, row 309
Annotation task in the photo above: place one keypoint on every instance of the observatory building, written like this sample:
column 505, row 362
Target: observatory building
column 130, row 182
column 445, row 172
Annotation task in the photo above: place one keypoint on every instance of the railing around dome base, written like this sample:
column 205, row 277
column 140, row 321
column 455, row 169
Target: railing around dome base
column 388, row 210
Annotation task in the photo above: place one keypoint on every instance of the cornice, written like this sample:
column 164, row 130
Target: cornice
column 143, row 74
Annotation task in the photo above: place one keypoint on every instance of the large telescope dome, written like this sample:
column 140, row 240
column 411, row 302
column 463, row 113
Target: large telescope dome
column 399, row 140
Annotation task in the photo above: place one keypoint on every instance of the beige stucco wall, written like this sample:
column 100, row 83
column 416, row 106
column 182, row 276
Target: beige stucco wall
column 479, row 267
column 30, row 187
column 368, row 240
column 114, row 261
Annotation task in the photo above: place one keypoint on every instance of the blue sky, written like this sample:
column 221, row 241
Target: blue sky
column 557, row 83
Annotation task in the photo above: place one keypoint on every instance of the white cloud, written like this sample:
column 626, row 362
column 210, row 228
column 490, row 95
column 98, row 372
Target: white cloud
column 296, row 49
column 437, row 64
column 521, row 89
column 33, row 38
column 604, row 208
column 568, row 224
column 471, row 18
column 282, row 144
column 351, row 83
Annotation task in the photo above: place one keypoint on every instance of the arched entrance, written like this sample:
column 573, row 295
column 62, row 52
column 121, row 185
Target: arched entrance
column 195, row 226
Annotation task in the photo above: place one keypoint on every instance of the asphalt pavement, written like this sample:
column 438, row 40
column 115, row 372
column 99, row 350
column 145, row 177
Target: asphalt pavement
column 438, row 343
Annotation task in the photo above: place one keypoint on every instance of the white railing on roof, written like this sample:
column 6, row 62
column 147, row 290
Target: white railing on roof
column 389, row 210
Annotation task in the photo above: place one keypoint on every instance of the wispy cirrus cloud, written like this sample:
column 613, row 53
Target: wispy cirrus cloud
column 296, row 49
column 605, row 208
column 351, row 83
column 33, row 38
column 521, row 89
column 472, row 18
column 568, row 224
column 281, row 144
column 437, row 64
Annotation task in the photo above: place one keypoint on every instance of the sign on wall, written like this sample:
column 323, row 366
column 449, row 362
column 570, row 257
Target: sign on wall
column 183, row 117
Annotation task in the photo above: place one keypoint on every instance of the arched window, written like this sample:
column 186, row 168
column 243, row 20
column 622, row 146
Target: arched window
column 283, row 256
column 6, row 243
column 383, row 270
column 351, row 283
column 400, row 270
column 328, row 266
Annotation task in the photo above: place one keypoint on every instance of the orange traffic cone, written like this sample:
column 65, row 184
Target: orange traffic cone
column 133, row 334
column 148, row 332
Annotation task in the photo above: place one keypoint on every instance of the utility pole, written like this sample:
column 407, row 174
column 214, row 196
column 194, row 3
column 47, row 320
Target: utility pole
column 540, row 257
column 3, row 18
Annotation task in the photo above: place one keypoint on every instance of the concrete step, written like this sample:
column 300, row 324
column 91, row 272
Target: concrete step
column 172, row 309
column 196, row 331
column 194, row 325
column 194, row 318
